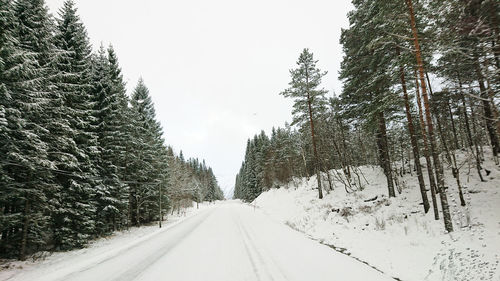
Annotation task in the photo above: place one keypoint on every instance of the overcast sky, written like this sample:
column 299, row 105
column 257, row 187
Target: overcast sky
column 215, row 68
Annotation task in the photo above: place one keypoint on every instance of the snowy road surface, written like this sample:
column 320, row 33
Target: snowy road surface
column 230, row 241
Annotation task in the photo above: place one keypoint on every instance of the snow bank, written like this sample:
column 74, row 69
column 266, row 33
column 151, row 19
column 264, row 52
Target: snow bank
column 97, row 250
column 393, row 234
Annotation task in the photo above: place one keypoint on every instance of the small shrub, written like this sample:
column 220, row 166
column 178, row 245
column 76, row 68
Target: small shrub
column 396, row 218
column 346, row 212
column 366, row 209
column 383, row 201
column 379, row 224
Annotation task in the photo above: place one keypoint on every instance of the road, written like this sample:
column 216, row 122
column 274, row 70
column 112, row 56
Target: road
column 230, row 241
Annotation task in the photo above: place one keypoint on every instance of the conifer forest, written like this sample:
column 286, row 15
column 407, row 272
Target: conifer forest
column 388, row 113
column 79, row 158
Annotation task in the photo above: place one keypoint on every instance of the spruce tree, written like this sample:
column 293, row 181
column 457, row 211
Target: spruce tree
column 147, row 163
column 111, row 109
column 26, row 34
column 74, row 214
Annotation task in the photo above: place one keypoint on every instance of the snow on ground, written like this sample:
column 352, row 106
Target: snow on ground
column 99, row 249
column 393, row 234
column 230, row 241
column 238, row 242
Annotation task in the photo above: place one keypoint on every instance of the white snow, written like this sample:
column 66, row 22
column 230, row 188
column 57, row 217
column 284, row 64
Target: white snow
column 239, row 242
column 43, row 264
column 225, row 242
column 236, row 241
column 394, row 235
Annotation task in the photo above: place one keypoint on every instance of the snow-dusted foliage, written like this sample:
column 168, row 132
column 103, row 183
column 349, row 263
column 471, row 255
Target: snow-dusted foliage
column 78, row 158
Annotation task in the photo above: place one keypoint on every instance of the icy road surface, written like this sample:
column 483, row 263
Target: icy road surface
column 229, row 241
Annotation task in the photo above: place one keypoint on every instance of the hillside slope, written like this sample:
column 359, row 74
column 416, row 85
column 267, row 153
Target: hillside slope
column 393, row 234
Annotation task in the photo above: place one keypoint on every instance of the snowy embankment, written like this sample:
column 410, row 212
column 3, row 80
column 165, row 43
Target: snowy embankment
column 97, row 251
column 393, row 234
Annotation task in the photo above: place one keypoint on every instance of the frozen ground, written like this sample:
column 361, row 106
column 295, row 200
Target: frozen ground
column 42, row 263
column 227, row 241
column 394, row 235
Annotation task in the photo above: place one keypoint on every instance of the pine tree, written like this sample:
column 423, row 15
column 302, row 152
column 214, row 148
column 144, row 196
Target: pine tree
column 439, row 176
column 367, row 84
column 309, row 101
column 456, row 65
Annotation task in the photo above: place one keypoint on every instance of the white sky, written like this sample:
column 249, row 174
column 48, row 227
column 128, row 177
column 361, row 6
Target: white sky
column 215, row 68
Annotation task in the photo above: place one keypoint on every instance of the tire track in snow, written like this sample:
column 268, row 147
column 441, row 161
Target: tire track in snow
column 250, row 246
column 138, row 269
column 249, row 254
column 146, row 262
column 282, row 275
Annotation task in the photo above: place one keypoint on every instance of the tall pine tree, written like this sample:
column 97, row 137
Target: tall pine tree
column 309, row 101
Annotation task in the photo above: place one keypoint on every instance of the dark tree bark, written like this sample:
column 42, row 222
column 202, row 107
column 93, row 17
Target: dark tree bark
column 439, row 165
column 26, row 223
column 488, row 113
column 160, row 216
column 453, row 161
column 384, row 153
column 313, row 139
column 493, row 15
column 470, row 141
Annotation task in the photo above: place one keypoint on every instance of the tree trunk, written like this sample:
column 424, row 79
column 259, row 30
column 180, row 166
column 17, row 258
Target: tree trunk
column 313, row 139
column 470, row 141
column 24, row 241
column 491, row 96
column 493, row 9
column 414, row 143
column 453, row 162
column 384, row 153
column 488, row 113
column 430, row 171
column 346, row 160
column 479, row 152
column 160, row 212
column 444, row 200
column 438, row 166
column 343, row 164
column 137, row 212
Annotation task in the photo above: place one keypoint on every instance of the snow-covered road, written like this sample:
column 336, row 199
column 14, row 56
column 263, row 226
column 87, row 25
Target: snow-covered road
column 229, row 241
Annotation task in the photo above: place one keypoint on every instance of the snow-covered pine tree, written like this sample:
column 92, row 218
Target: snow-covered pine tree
column 309, row 100
column 367, row 89
column 74, row 214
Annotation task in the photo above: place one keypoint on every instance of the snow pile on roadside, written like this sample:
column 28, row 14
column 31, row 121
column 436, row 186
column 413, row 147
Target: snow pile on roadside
column 393, row 234
column 99, row 249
